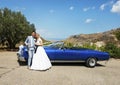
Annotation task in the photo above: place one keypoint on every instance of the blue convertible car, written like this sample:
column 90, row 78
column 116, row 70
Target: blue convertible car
column 57, row 52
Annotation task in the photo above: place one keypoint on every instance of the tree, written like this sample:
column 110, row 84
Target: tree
column 113, row 50
column 14, row 27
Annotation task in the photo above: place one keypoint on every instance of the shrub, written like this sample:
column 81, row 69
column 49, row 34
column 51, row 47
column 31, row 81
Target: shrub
column 89, row 46
column 117, row 34
column 112, row 49
column 69, row 45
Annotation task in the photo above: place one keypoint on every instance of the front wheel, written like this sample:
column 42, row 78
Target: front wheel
column 91, row 62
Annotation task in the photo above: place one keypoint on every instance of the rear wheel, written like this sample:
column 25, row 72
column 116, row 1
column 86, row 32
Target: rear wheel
column 91, row 62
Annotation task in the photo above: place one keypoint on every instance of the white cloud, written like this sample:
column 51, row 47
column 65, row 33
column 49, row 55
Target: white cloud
column 51, row 11
column 89, row 20
column 102, row 7
column 93, row 8
column 86, row 9
column 116, row 7
column 71, row 8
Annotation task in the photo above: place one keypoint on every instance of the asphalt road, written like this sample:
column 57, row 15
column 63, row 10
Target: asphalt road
column 14, row 73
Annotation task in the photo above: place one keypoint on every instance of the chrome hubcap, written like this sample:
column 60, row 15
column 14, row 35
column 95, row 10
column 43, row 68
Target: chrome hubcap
column 92, row 62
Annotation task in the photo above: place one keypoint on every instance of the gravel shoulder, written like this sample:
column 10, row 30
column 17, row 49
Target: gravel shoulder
column 13, row 73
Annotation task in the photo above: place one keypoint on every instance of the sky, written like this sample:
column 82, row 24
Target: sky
column 59, row 19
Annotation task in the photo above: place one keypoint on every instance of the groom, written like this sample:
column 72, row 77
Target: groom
column 30, row 43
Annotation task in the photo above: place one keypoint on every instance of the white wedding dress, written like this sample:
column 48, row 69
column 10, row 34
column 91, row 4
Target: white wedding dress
column 40, row 59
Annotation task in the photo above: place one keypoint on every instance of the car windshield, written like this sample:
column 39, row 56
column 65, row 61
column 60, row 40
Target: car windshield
column 55, row 45
column 61, row 45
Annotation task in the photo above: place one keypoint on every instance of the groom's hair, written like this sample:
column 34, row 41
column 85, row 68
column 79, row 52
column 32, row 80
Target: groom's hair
column 34, row 32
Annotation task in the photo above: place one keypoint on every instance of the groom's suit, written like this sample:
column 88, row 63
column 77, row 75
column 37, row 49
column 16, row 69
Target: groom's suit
column 30, row 42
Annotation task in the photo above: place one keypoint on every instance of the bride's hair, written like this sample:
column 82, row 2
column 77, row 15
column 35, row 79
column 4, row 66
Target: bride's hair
column 37, row 35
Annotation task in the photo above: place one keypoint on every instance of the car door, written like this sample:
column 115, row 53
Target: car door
column 59, row 54
column 72, row 54
column 50, row 53
column 66, row 54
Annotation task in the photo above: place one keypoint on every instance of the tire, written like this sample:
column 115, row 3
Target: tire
column 91, row 62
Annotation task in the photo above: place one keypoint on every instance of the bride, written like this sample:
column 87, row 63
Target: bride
column 40, row 59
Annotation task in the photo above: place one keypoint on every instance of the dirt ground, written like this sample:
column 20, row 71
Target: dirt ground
column 14, row 73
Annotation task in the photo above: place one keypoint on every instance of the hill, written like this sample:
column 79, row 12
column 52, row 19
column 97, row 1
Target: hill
column 99, row 39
